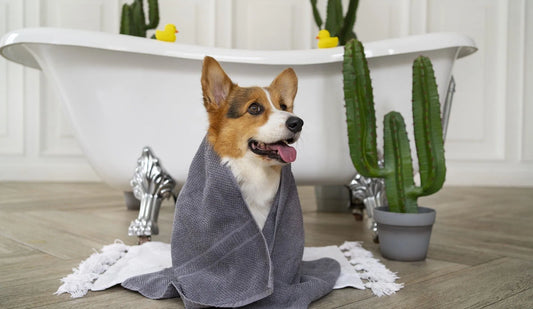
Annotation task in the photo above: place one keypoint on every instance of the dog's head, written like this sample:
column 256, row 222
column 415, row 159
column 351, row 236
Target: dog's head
column 251, row 120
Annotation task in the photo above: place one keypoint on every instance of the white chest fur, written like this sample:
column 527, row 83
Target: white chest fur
column 258, row 183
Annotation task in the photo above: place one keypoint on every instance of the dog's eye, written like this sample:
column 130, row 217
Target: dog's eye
column 255, row 109
column 283, row 107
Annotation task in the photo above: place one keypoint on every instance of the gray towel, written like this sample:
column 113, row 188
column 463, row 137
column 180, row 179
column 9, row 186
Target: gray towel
column 220, row 258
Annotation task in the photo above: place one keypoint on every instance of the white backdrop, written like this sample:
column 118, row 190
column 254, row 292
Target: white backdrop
column 490, row 137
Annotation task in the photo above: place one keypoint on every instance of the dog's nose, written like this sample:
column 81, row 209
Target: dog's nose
column 294, row 124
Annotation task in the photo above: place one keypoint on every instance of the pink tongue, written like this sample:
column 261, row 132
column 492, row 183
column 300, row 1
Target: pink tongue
column 286, row 152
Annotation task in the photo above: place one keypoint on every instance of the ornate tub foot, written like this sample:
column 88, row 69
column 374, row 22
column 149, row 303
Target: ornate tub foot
column 132, row 203
column 371, row 192
column 151, row 185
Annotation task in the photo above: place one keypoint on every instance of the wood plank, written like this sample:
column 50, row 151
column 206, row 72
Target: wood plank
column 38, row 234
column 484, row 241
column 473, row 287
column 19, row 196
column 409, row 273
column 521, row 300
column 481, row 251
column 10, row 250
column 39, row 294
column 461, row 254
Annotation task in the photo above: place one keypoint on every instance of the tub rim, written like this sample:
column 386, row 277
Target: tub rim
column 12, row 47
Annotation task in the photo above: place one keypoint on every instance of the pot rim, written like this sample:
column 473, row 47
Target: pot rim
column 425, row 217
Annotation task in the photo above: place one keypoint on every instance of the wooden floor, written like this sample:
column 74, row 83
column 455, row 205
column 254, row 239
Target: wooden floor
column 481, row 253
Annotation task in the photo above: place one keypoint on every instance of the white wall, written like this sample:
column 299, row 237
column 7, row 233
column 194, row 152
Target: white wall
column 490, row 140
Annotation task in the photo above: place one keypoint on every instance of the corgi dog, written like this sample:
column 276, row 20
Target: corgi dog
column 251, row 129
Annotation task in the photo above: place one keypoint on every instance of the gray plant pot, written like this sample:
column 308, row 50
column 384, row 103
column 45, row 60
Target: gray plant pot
column 404, row 236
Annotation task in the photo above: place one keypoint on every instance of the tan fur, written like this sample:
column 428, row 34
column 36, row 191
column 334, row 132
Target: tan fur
column 283, row 89
column 231, row 127
column 229, row 136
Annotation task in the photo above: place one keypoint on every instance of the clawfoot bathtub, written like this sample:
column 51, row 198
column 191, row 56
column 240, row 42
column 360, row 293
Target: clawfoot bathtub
column 123, row 93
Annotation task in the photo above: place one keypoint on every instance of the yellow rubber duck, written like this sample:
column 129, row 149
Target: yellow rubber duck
column 325, row 40
column 167, row 35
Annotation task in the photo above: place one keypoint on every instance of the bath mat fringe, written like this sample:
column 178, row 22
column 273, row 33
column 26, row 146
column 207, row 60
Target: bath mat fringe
column 375, row 276
column 378, row 277
column 81, row 280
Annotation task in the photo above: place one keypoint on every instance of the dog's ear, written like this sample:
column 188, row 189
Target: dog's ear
column 287, row 85
column 216, row 85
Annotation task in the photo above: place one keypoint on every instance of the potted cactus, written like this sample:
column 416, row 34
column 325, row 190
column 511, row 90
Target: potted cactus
column 133, row 21
column 337, row 24
column 404, row 227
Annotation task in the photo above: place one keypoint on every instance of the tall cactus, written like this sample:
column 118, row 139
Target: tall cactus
column 336, row 23
column 402, row 193
column 133, row 20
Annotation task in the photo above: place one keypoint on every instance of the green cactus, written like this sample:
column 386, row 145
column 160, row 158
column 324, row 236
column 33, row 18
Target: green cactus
column 337, row 24
column 133, row 20
column 402, row 193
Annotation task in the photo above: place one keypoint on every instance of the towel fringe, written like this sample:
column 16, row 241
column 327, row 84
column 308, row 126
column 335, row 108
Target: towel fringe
column 378, row 277
column 81, row 280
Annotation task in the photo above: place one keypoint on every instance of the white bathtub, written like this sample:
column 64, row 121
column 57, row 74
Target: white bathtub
column 124, row 92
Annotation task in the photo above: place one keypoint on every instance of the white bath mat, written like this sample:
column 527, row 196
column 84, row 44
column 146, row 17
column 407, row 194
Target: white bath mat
column 118, row 262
